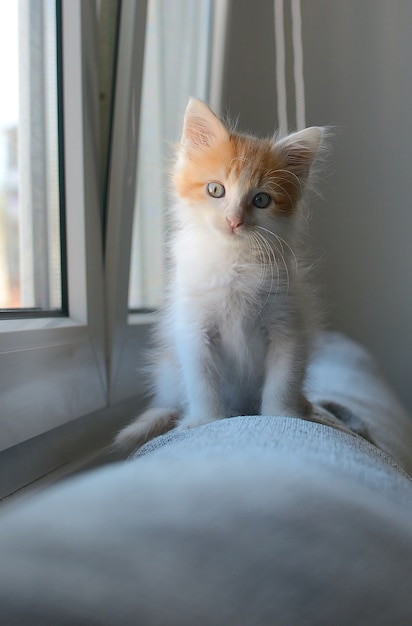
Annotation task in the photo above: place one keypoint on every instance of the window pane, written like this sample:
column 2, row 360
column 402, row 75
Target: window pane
column 176, row 66
column 30, row 248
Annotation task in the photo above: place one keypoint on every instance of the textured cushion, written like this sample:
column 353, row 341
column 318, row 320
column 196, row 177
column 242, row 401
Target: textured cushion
column 345, row 378
column 250, row 520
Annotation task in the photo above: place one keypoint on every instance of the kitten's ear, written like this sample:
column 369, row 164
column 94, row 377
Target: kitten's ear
column 201, row 127
column 300, row 149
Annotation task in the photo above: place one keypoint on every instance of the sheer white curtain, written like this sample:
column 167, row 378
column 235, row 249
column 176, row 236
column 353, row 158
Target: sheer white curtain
column 176, row 66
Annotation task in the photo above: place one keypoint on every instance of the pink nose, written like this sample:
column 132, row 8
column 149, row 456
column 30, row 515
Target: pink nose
column 235, row 222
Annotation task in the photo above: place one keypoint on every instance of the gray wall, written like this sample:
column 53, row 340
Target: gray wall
column 358, row 77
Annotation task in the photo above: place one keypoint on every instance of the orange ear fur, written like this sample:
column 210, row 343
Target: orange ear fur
column 201, row 127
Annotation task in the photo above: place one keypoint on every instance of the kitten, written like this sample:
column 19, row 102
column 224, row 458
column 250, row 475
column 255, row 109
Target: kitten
column 234, row 332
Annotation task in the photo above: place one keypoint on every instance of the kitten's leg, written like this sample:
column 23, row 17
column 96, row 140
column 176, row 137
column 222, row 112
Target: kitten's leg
column 284, row 375
column 201, row 376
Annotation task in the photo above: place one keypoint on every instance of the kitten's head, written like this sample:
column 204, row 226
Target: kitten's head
column 235, row 182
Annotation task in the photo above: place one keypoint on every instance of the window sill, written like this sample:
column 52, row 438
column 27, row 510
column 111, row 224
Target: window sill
column 76, row 446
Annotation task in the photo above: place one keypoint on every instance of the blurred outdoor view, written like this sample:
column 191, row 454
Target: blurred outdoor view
column 30, row 250
column 9, row 108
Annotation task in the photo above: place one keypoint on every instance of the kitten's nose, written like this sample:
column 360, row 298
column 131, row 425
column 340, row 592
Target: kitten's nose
column 235, row 222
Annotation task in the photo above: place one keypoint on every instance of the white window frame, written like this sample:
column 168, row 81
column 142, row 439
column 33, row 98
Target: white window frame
column 53, row 369
column 125, row 342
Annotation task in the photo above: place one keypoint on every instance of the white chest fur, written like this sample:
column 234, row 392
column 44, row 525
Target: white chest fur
column 217, row 291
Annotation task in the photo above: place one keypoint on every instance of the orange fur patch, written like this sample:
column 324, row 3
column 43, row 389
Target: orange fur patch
column 253, row 161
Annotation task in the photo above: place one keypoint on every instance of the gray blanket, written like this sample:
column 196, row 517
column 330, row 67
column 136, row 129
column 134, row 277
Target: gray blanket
column 250, row 520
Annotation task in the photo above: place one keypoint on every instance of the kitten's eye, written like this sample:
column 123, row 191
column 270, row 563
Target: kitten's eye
column 216, row 190
column 261, row 200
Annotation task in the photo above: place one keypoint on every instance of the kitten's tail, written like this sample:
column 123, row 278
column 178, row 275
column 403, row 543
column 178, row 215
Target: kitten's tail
column 149, row 424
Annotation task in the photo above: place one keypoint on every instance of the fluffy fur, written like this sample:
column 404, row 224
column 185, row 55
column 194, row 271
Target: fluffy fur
column 234, row 332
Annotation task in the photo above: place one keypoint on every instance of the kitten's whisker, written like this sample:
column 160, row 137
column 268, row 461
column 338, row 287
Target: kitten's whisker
column 238, row 159
column 277, row 186
column 269, row 260
column 281, row 253
column 261, row 258
column 284, row 242
column 298, row 182
column 272, row 255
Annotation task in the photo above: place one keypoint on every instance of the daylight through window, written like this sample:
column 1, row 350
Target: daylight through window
column 30, row 215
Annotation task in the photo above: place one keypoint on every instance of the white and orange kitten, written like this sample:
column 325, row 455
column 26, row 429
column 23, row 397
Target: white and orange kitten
column 234, row 333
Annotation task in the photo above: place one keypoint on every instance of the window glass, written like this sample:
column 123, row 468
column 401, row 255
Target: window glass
column 30, row 219
column 176, row 66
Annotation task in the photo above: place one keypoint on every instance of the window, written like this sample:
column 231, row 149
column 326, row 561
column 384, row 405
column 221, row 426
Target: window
column 53, row 368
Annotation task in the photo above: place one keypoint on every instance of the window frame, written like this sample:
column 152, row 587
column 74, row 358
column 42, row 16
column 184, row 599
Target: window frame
column 125, row 342
column 53, row 368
